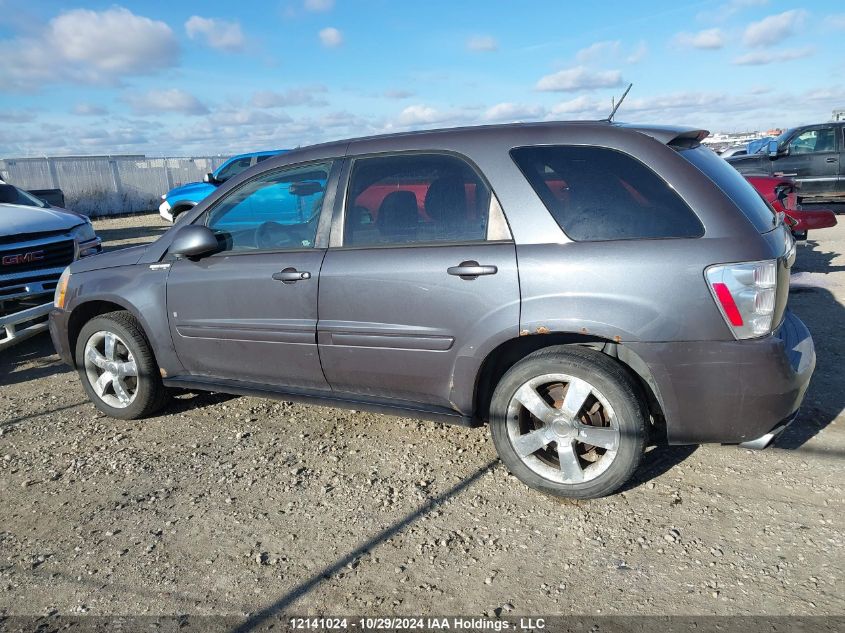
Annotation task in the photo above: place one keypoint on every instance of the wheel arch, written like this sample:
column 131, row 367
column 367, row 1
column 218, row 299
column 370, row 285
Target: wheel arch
column 84, row 312
column 181, row 207
column 510, row 352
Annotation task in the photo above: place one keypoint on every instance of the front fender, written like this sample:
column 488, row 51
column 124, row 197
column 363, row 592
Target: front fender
column 139, row 289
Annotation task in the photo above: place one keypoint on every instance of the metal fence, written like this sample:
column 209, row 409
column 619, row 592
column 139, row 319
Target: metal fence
column 107, row 185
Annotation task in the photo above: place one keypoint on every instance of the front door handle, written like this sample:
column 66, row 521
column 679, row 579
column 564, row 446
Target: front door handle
column 831, row 159
column 470, row 270
column 291, row 275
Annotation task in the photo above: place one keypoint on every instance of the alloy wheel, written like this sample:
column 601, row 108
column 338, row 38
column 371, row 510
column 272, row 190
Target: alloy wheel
column 111, row 369
column 563, row 428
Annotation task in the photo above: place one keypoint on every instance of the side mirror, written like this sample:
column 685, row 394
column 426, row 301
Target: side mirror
column 194, row 241
column 772, row 149
column 210, row 179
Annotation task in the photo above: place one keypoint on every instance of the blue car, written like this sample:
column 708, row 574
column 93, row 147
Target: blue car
column 187, row 196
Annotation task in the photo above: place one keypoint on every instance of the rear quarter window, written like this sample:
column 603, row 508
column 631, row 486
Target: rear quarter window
column 734, row 185
column 599, row 194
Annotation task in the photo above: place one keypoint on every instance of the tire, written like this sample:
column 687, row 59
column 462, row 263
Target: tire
column 799, row 235
column 125, row 394
column 561, row 377
column 179, row 212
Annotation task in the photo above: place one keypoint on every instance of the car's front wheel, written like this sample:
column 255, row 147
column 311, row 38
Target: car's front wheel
column 570, row 422
column 117, row 367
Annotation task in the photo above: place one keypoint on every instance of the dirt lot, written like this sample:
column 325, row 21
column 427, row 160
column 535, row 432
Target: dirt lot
column 228, row 505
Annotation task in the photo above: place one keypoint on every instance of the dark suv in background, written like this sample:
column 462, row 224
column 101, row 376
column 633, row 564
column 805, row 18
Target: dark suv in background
column 812, row 155
column 585, row 288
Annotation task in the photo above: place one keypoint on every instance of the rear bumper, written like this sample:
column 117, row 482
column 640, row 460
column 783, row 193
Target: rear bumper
column 731, row 391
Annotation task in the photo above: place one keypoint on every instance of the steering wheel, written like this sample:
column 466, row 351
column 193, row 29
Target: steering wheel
column 272, row 235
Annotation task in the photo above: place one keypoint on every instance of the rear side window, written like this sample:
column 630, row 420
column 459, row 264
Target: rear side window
column 598, row 194
column 415, row 198
column 734, row 185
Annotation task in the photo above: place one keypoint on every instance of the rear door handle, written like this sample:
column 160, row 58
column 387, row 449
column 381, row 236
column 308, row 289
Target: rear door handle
column 291, row 275
column 471, row 269
column 831, row 159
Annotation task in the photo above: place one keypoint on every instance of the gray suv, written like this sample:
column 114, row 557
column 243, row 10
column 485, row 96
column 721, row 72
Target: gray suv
column 585, row 288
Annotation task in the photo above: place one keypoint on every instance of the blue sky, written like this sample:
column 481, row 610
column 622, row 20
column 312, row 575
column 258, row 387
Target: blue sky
column 170, row 78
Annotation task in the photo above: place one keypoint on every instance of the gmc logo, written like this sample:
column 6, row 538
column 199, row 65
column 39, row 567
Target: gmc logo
column 23, row 258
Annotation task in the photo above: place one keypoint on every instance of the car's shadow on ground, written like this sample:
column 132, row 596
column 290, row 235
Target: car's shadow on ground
column 658, row 460
column 263, row 619
column 36, row 352
column 184, row 401
column 811, row 259
column 824, row 316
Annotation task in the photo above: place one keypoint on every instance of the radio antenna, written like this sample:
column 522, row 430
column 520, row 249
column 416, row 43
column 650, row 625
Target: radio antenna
column 619, row 103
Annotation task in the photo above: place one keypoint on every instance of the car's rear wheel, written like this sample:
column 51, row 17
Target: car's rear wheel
column 570, row 422
column 117, row 367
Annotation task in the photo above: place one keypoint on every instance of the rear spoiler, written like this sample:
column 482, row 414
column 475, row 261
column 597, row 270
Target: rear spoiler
column 689, row 138
column 682, row 137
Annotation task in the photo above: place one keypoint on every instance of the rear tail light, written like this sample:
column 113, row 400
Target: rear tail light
column 746, row 294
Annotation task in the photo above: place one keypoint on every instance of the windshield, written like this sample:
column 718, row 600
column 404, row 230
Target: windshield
column 783, row 137
column 735, row 186
column 232, row 168
column 10, row 194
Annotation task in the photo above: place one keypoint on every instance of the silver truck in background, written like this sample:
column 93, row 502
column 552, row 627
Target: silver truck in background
column 37, row 242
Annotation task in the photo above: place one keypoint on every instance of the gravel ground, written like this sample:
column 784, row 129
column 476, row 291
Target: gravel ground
column 227, row 505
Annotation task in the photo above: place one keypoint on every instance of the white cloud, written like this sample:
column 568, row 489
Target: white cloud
column 597, row 51
column 235, row 128
column 773, row 29
column 482, row 44
column 343, row 120
column 247, row 116
column 220, row 34
column 331, row 37
column 160, row 101
column 291, row 97
column 421, row 115
column 16, row 116
column 511, row 112
column 114, row 41
column 579, row 78
column 89, row 109
column 577, row 106
column 611, row 51
column 319, row 5
column 761, row 58
column 91, row 47
column 709, row 39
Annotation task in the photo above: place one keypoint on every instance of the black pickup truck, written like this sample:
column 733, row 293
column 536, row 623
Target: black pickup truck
column 813, row 155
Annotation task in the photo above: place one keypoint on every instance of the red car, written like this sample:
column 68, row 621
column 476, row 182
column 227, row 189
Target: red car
column 782, row 194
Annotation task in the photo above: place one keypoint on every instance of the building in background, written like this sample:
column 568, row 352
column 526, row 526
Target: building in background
column 839, row 115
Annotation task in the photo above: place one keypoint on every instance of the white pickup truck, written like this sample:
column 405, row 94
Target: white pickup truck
column 37, row 242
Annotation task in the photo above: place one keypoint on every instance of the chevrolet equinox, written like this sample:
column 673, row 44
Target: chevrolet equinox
column 584, row 288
